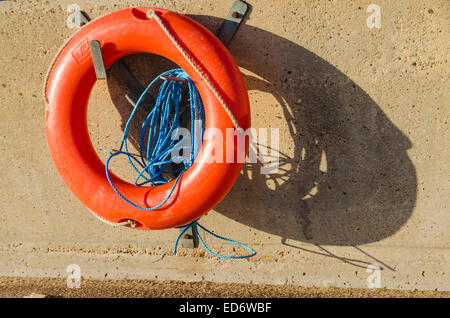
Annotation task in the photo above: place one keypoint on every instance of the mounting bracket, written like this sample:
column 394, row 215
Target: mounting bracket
column 232, row 22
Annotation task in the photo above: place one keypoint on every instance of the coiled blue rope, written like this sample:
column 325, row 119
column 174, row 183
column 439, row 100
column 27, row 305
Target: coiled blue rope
column 156, row 145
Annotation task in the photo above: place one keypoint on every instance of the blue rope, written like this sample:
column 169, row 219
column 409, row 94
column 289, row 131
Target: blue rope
column 156, row 145
column 194, row 227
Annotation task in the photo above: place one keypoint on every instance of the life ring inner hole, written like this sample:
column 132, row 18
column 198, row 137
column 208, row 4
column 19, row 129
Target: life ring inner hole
column 109, row 109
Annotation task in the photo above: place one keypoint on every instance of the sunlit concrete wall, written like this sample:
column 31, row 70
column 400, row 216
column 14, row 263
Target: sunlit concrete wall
column 362, row 107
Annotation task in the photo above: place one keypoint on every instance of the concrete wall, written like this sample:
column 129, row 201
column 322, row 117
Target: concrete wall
column 364, row 144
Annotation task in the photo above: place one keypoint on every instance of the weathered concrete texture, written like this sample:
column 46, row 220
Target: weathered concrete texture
column 364, row 145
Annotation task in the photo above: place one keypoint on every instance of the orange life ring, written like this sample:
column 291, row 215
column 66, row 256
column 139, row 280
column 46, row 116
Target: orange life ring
column 68, row 86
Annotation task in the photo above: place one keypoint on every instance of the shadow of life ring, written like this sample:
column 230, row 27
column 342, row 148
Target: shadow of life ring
column 67, row 88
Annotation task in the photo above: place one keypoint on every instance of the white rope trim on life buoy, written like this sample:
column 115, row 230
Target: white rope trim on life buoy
column 152, row 14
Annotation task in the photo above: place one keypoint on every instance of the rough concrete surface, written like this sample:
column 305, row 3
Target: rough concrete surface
column 364, row 173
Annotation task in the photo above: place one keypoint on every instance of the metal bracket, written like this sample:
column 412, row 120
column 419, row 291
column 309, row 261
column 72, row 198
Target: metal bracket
column 120, row 71
column 189, row 238
column 231, row 24
column 97, row 58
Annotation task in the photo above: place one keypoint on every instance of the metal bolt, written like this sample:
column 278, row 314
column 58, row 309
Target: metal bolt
column 235, row 15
